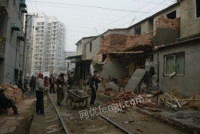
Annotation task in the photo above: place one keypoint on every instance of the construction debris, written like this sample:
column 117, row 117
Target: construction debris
column 163, row 22
column 110, row 92
column 12, row 92
column 113, row 43
column 195, row 103
column 136, row 41
column 124, row 80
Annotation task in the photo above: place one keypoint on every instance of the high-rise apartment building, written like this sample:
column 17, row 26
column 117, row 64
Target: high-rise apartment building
column 48, row 44
column 67, row 63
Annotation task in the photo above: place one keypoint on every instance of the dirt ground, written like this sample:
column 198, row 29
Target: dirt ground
column 94, row 125
column 18, row 124
column 132, row 121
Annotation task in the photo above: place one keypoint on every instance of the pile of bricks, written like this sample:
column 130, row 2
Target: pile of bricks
column 135, row 41
column 113, row 43
column 122, row 97
column 12, row 92
column 163, row 22
column 109, row 92
column 118, row 42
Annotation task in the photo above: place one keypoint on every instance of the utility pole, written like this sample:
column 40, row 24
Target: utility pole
column 25, row 51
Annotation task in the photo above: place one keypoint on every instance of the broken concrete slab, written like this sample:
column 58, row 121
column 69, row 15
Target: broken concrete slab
column 135, row 79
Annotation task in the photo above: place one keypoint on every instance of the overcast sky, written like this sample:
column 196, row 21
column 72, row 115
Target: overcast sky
column 84, row 18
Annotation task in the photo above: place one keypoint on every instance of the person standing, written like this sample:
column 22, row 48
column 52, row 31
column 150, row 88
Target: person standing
column 46, row 84
column 32, row 85
column 70, row 81
column 60, row 88
column 52, row 82
column 94, row 80
column 148, row 81
column 40, row 88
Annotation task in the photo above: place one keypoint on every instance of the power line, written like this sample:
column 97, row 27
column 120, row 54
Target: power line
column 129, row 14
column 69, row 15
column 115, row 20
column 143, row 14
column 104, row 8
column 36, row 6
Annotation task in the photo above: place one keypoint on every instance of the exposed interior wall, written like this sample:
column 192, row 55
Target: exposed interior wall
column 165, row 36
column 131, row 67
column 113, row 69
column 113, row 43
column 190, row 24
column 178, row 15
column 188, row 84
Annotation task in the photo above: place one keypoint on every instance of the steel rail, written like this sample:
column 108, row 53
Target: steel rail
column 60, row 117
column 115, row 124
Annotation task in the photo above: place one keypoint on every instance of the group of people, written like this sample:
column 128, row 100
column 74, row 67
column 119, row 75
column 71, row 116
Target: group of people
column 42, row 87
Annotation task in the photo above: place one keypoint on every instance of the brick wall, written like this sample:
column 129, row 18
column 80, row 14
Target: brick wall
column 163, row 22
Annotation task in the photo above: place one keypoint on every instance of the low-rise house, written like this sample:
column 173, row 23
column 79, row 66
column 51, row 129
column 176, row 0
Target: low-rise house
column 79, row 58
column 178, row 63
column 167, row 40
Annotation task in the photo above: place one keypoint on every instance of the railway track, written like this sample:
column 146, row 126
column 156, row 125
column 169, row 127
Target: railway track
column 63, row 123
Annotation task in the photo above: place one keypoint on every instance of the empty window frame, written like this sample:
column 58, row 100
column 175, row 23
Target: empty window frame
column 172, row 15
column 198, row 8
column 138, row 30
column 175, row 63
column 90, row 47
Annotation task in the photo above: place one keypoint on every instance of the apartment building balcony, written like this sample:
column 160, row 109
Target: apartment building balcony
column 21, row 38
column 23, row 10
column 14, row 27
column 21, row 3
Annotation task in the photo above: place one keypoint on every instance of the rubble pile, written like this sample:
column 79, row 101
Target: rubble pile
column 104, row 82
column 110, row 92
column 124, row 80
column 163, row 22
column 122, row 97
column 174, row 99
column 113, row 43
column 12, row 92
column 195, row 104
column 136, row 41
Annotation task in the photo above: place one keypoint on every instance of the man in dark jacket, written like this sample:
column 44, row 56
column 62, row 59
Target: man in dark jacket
column 70, row 80
column 94, row 80
column 7, row 103
column 148, row 80
column 60, row 91
column 32, row 85
column 52, row 82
